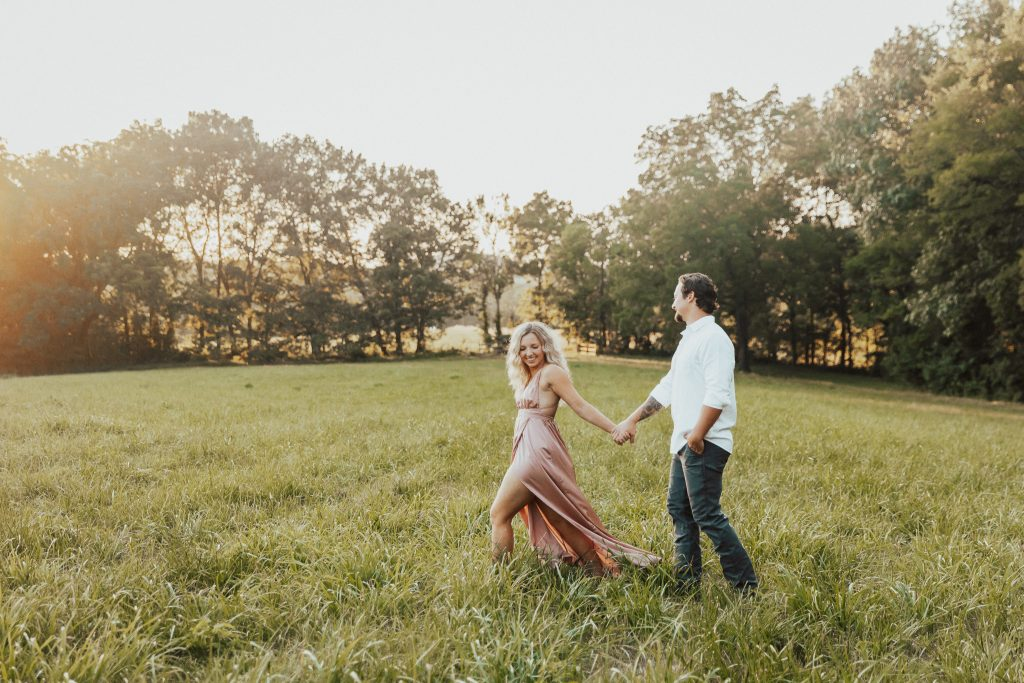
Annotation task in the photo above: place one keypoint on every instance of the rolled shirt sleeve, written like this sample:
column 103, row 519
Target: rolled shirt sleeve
column 719, row 361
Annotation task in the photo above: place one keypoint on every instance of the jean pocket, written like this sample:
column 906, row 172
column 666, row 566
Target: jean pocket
column 691, row 455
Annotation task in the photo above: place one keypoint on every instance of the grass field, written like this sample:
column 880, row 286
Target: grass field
column 330, row 523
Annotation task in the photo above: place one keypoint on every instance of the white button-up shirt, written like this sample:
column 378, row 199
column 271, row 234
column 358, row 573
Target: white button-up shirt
column 701, row 375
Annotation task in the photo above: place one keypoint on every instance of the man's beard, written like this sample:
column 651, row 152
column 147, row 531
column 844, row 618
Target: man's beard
column 679, row 318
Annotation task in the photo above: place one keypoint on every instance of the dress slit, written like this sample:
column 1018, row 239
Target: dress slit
column 542, row 463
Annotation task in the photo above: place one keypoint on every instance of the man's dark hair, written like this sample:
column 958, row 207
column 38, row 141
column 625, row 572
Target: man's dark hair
column 706, row 295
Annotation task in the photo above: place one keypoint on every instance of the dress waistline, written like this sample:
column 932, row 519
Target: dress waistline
column 535, row 412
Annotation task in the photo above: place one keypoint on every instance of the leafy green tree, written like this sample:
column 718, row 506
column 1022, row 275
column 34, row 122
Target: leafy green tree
column 536, row 228
column 216, row 160
column 76, row 238
column 714, row 197
column 13, row 259
column 811, row 288
column 440, row 284
column 421, row 246
column 493, row 268
column 866, row 123
column 145, row 287
column 969, row 159
column 326, row 194
column 255, row 241
column 641, row 273
column 580, row 286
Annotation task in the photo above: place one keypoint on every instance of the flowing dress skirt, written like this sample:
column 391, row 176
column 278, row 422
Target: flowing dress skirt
column 541, row 461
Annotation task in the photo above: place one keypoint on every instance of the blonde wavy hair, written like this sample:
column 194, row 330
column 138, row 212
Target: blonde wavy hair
column 551, row 344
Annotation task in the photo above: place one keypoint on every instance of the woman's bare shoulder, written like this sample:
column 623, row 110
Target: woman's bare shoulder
column 552, row 373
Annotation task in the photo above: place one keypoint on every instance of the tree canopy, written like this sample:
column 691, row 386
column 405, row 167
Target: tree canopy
column 880, row 229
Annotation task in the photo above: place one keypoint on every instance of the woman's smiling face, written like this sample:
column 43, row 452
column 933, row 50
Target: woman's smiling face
column 531, row 351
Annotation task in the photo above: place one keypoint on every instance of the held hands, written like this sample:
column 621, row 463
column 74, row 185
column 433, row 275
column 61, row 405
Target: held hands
column 623, row 432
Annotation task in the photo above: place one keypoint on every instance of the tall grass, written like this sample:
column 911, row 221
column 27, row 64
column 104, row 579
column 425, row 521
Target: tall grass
column 330, row 523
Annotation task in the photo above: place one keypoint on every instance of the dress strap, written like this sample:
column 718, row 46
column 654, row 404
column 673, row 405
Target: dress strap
column 532, row 380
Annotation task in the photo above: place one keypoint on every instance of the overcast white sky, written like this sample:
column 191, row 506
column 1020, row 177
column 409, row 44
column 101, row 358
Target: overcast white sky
column 517, row 96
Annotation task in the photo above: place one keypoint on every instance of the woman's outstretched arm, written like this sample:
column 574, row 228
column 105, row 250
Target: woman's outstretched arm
column 560, row 383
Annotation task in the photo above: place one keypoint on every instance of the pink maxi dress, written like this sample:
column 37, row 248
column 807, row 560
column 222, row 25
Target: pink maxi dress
column 541, row 461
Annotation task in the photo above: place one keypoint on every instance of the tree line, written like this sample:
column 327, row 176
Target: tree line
column 882, row 229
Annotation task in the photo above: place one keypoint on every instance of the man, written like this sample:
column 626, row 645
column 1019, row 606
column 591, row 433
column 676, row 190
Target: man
column 699, row 388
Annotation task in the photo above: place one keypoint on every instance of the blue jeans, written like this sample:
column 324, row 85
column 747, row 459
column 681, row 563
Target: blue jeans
column 694, row 503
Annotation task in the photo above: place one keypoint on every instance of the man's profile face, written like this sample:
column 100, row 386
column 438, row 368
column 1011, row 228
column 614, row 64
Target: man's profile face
column 679, row 303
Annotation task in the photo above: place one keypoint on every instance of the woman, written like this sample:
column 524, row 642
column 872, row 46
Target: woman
column 540, row 484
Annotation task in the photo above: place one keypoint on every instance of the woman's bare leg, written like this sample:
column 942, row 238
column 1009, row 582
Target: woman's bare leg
column 512, row 497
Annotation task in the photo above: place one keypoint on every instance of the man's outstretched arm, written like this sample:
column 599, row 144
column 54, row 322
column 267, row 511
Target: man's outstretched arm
column 660, row 396
column 626, row 430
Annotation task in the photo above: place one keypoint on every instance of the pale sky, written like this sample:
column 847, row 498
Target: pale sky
column 517, row 97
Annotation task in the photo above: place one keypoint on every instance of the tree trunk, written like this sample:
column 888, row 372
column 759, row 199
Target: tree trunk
column 497, row 318
column 153, row 324
column 484, row 316
column 810, row 341
column 127, row 335
column 848, row 324
column 167, row 335
column 81, row 337
column 845, row 353
column 602, row 318
column 399, row 349
column 220, row 255
column 743, row 341
column 421, row 336
column 378, row 334
column 793, row 351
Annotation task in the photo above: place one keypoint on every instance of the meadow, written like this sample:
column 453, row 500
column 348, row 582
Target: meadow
column 329, row 522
